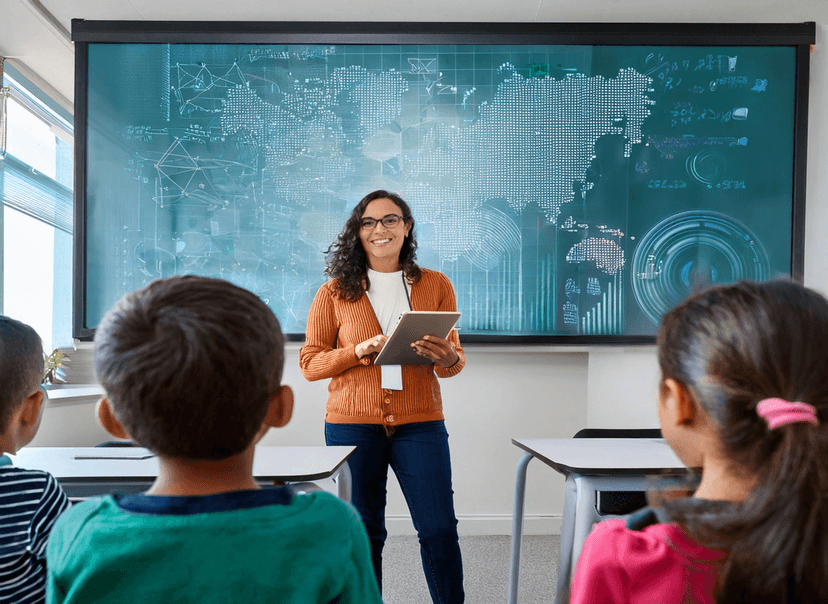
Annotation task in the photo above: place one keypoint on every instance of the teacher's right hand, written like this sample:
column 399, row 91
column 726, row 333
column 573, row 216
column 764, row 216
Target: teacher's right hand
column 370, row 345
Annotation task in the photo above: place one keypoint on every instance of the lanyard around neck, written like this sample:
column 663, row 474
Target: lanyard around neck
column 405, row 289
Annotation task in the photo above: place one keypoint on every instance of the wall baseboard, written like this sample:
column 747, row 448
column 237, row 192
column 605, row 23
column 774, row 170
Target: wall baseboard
column 472, row 524
column 494, row 524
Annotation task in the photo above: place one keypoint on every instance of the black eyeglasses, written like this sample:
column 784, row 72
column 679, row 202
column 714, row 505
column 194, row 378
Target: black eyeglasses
column 388, row 221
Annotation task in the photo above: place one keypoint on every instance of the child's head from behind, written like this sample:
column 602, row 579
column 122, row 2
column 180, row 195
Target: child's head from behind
column 190, row 365
column 733, row 346
column 730, row 348
column 21, row 373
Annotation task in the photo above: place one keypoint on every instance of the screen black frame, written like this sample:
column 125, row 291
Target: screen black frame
column 799, row 35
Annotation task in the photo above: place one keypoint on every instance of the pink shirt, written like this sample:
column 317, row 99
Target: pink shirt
column 660, row 564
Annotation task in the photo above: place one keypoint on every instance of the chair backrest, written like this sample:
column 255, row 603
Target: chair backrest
column 618, row 433
column 619, row 502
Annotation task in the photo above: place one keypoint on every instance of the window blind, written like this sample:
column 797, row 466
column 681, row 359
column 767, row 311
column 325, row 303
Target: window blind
column 23, row 187
column 28, row 191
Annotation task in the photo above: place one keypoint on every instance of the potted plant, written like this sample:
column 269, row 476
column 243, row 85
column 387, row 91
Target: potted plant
column 52, row 363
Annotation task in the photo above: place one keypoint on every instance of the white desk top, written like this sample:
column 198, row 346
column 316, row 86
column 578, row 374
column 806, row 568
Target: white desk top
column 270, row 463
column 595, row 456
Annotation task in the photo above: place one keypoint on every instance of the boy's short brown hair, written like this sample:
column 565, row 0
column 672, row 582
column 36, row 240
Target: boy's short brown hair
column 21, row 366
column 189, row 365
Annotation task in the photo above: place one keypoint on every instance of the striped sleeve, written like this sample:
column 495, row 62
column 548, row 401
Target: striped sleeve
column 52, row 504
column 30, row 502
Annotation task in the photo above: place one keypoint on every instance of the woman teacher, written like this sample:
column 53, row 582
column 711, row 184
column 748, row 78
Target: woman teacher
column 392, row 414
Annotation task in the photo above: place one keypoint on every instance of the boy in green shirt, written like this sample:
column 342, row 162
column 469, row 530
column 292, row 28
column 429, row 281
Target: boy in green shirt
column 191, row 368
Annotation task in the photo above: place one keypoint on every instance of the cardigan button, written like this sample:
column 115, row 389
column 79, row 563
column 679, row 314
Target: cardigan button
column 389, row 419
column 366, row 361
column 386, row 400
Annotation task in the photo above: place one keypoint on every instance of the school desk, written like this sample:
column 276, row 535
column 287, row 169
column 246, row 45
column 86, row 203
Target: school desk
column 593, row 464
column 89, row 471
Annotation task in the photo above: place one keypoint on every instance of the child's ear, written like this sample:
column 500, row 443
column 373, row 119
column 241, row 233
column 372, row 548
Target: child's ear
column 31, row 410
column 281, row 408
column 675, row 399
column 23, row 423
column 107, row 419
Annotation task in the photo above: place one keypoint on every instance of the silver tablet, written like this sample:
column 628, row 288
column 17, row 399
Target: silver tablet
column 413, row 325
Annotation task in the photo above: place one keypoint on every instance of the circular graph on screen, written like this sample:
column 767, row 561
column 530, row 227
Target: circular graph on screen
column 707, row 167
column 688, row 251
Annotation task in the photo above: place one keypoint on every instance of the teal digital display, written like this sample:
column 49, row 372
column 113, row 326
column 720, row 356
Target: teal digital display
column 566, row 190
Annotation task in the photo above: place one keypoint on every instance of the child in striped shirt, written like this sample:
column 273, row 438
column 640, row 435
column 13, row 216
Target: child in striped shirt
column 30, row 500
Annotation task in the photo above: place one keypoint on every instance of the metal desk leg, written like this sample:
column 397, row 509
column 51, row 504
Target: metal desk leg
column 342, row 478
column 567, row 540
column 585, row 515
column 517, row 524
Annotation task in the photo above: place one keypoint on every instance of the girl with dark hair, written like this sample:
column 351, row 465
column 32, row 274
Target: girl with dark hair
column 744, row 397
column 394, row 415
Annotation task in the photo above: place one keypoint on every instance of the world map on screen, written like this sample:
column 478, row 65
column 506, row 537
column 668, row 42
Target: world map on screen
column 564, row 190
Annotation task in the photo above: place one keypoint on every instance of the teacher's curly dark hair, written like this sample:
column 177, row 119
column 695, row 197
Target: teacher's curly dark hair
column 346, row 259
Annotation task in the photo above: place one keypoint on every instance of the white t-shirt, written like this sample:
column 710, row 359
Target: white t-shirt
column 388, row 294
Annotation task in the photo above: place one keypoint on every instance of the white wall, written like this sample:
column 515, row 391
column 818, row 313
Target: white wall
column 501, row 394
column 622, row 387
column 513, row 392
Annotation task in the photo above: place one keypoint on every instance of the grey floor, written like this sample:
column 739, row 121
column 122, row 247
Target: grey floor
column 485, row 567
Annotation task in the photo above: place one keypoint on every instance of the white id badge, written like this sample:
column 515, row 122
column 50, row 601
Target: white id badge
column 391, row 377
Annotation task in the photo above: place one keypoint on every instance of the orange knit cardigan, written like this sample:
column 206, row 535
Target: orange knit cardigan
column 336, row 326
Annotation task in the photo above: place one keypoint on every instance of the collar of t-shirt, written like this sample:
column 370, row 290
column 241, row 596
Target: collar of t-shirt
column 166, row 505
column 388, row 295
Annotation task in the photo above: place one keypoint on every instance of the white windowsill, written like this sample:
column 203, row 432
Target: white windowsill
column 70, row 392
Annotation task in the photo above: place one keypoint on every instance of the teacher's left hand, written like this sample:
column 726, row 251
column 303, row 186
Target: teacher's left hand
column 436, row 349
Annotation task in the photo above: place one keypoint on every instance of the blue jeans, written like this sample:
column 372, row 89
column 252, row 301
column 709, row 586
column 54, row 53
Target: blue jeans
column 419, row 455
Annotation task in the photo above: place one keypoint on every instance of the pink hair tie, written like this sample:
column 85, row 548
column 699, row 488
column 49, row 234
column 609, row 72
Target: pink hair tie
column 778, row 412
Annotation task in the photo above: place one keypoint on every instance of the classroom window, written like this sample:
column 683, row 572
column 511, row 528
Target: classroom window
column 36, row 188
